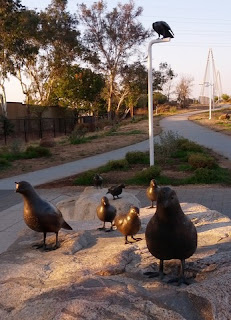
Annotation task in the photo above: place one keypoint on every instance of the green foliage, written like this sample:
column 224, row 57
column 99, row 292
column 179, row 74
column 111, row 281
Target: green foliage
column 206, row 175
column 116, row 165
column 78, row 134
column 144, row 177
column 225, row 97
column 135, row 157
column 159, row 98
column 199, row 160
column 168, row 145
column 36, row 152
column 6, row 126
column 4, row 163
column 186, row 145
column 85, row 179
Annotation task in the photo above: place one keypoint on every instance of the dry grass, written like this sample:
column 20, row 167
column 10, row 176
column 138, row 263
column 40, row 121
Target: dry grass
column 223, row 126
column 64, row 152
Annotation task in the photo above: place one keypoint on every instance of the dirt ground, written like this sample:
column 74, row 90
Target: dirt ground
column 64, row 152
column 216, row 124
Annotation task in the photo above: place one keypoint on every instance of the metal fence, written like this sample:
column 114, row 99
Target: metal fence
column 37, row 128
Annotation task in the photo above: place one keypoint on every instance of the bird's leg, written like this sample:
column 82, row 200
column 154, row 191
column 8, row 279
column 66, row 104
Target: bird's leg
column 159, row 273
column 151, row 206
column 111, row 229
column 181, row 279
column 56, row 244
column 136, row 239
column 126, row 240
column 103, row 227
column 41, row 245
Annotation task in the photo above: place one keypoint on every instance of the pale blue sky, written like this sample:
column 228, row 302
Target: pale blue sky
column 197, row 25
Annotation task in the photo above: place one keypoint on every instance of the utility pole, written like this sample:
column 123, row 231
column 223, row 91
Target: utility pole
column 150, row 97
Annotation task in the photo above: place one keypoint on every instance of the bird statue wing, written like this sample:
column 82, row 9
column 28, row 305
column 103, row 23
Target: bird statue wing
column 168, row 27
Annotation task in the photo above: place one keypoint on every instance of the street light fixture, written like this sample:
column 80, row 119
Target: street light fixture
column 150, row 97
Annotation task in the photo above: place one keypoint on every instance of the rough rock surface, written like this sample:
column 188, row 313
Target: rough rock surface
column 83, row 207
column 93, row 275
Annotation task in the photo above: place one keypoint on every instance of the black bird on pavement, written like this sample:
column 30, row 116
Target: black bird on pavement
column 39, row 214
column 162, row 28
column 170, row 234
column 98, row 181
column 116, row 191
column 106, row 212
column 152, row 191
column 129, row 223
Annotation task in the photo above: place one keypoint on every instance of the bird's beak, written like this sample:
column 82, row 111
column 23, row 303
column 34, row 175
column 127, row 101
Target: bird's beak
column 16, row 188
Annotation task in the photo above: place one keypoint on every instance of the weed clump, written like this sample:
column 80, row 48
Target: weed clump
column 199, row 160
column 137, row 157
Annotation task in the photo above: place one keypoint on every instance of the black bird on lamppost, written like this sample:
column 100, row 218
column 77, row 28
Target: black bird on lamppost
column 162, row 28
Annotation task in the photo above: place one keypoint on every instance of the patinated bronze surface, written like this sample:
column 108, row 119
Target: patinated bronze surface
column 129, row 224
column 39, row 214
column 98, row 181
column 152, row 191
column 116, row 191
column 106, row 212
column 170, row 234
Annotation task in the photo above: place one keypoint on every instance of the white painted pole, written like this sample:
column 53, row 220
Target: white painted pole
column 150, row 97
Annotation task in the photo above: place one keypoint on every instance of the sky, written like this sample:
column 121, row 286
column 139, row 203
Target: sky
column 198, row 26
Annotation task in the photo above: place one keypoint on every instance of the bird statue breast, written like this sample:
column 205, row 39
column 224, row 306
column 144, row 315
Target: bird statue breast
column 170, row 234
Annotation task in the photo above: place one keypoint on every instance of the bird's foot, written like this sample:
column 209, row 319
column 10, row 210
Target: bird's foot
column 39, row 246
column 52, row 248
column 101, row 228
column 128, row 242
column 152, row 274
column 150, row 207
column 179, row 281
column 137, row 239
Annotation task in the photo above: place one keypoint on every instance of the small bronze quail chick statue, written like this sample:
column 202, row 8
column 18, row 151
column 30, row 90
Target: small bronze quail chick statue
column 129, row 224
column 106, row 213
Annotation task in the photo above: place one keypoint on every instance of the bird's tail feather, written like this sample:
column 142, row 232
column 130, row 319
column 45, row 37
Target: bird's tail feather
column 66, row 226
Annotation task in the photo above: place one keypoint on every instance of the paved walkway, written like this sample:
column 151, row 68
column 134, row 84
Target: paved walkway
column 216, row 198
column 216, row 141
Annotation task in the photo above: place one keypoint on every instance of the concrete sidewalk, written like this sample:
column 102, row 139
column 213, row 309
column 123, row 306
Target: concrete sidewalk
column 216, row 141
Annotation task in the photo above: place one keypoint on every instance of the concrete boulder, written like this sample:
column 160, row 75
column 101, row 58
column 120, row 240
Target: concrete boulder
column 84, row 206
column 93, row 275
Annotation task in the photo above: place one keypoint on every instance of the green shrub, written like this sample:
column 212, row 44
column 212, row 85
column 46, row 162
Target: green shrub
column 168, row 145
column 85, row 179
column 135, row 157
column 143, row 177
column 187, row 145
column 117, row 165
column 78, row 134
column 4, row 163
column 199, row 160
column 36, row 152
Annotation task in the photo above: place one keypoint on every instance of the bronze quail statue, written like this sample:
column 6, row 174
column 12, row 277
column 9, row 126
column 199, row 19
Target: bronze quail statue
column 116, row 191
column 106, row 213
column 162, row 28
column 170, row 234
column 98, row 181
column 40, row 215
column 152, row 191
column 129, row 224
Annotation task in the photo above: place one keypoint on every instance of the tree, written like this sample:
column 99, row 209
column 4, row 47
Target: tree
column 225, row 97
column 111, row 38
column 133, row 85
column 162, row 78
column 18, row 27
column 79, row 88
column 59, row 46
column 183, row 90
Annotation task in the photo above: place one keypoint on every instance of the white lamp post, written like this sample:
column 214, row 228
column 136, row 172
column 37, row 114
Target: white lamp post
column 150, row 97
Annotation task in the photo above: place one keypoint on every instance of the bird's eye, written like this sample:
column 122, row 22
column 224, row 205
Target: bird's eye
column 172, row 197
